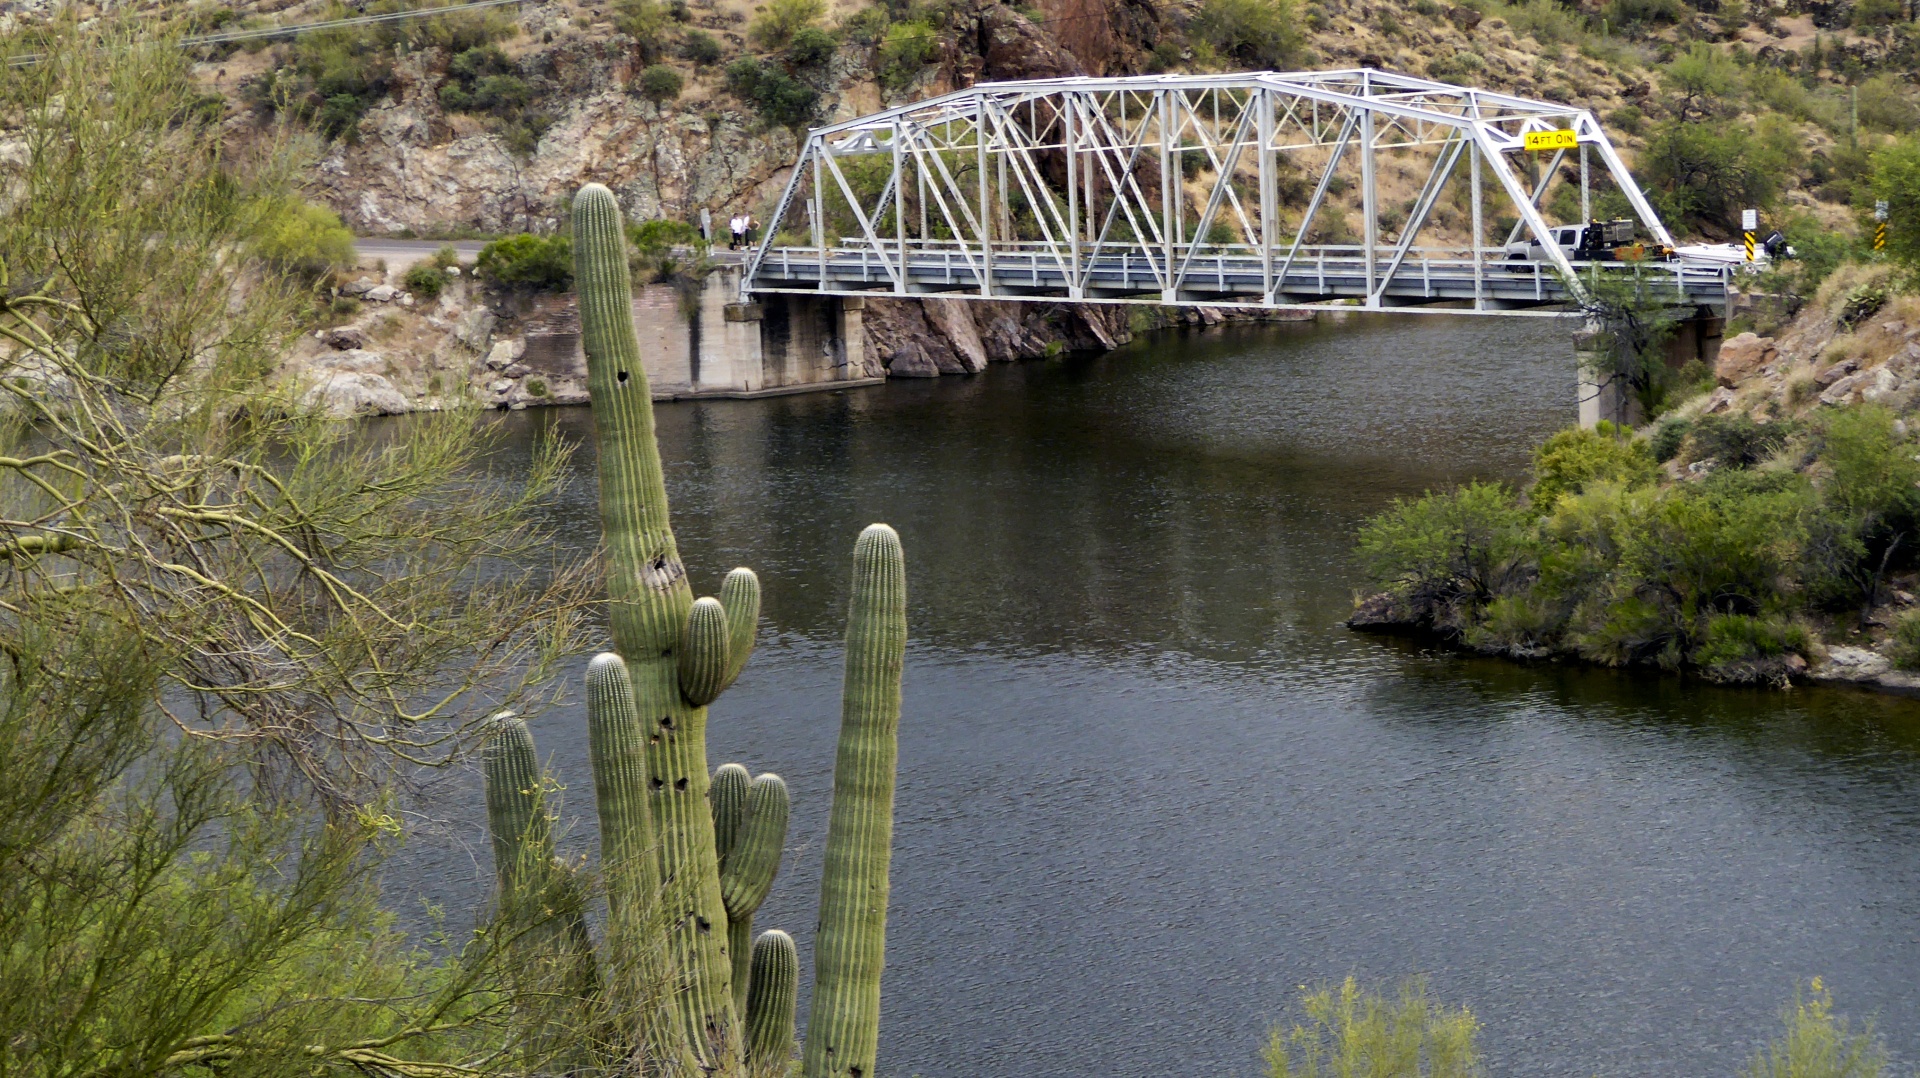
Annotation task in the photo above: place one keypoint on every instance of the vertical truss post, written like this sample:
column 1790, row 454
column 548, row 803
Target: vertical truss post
column 1479, row 230
column 1268, row 203
column 1168, row 198
column 1072, row 147
column 986, row 218
column 899, row 212
column 1586, row 198
column 1369, row 207
column 819, row 205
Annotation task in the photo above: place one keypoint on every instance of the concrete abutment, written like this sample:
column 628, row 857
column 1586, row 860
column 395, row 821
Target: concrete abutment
column 700, row 341
column 1606, row 392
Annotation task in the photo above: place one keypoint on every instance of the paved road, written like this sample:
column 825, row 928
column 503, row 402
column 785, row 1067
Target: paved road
column 400, row 254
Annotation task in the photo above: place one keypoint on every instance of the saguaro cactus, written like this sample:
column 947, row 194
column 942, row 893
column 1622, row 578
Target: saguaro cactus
column 688, row 859
column 843, row 1024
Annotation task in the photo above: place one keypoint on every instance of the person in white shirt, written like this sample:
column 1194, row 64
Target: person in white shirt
column 739, row 226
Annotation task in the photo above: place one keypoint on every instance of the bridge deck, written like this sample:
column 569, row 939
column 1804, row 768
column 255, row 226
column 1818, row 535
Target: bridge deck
column 1230, row 275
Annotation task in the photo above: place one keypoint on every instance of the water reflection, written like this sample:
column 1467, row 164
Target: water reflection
column 1148, row 785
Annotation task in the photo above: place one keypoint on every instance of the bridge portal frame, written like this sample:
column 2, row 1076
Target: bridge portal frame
column 1071, row 163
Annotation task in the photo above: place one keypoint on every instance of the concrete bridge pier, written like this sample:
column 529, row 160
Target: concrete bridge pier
column 702, row 342
column 1607, row 392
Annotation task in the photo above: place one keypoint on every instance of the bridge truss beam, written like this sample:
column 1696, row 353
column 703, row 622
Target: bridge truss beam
column 1217, row 189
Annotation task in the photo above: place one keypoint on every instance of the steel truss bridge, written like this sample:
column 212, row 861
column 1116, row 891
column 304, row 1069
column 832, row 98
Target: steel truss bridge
column 1224, row 190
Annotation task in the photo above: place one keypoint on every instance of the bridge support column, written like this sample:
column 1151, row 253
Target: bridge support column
column 809, row 342
column 1606, row 392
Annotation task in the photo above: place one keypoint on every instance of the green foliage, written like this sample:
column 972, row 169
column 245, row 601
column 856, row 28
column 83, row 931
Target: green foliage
column 645, row 21
column 700, row 48
column 1742, row 648
column 1896, row 179
column 660, row 235
column 301, row 237
column 776, row 95
column 1819, row 1044
column 1887, row 103
column 1903, row 643
column 1546, row 21
column 526, row 260
column 660, row 83
column 776, row 24
column 1255, row 33
column 1667, row 437
column 425, row 280
column 1566, row 462
column 905, row 51
column 810, row 48
column 1703, row 74
column 1637, row 15
column 1346, row 1032
column 1734, row 440
column 1709, row 172
column 1447, row 554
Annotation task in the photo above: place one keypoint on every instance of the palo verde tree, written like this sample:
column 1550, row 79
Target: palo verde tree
column 226, row 626
column 687, row 856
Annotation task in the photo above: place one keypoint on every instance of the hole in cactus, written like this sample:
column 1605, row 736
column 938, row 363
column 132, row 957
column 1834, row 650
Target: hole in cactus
column 854, row 1072
column 666, row 722
column 657, row 783
column 680, row 783
column 655, row 739
column 622, row 376
column 701, row 922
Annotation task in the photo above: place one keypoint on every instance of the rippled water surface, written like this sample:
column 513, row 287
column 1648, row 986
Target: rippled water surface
column 1149, row 785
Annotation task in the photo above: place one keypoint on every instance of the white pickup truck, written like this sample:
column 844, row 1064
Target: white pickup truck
column 1612, row 241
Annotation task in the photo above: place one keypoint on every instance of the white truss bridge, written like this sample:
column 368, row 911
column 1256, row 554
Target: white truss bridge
column 1225, row 190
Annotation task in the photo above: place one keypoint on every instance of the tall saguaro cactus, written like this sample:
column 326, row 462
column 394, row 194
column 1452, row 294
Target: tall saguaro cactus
column 688, row 860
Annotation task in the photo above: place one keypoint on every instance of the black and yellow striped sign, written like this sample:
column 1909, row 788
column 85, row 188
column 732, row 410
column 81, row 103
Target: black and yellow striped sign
column 1749, row 236
column 1880, row 236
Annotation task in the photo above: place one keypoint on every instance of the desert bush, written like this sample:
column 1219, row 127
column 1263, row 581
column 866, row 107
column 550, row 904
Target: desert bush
column 660, row 83
column 810, row 47
column 1346, row 1032
column 1631, row 15
column 1903, row 642
column 1447, row 554
column 1736, row 441
column 301, row 237
column 700, row 48
column 1570, row 459
column 776, row 95
column 905, row 51
column 1819, row 1044
column 1742, row 648
column 1257, row 33
column 1887, row 104
column 425, row 280
column 645, row 21
column 1546, row 21
column 773, row 28
column 1710, row 172
column 529, row 261
column 1704, row 74
column 1667, row 437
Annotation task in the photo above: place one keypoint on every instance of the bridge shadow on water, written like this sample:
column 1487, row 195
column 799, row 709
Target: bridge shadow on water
column 1149, row 785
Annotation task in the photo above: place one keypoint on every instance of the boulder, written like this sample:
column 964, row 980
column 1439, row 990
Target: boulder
column 1836, row 372
column 1841, row 391
column 476, row 329
column 1879, row 384
column 357, row 288
column 954, row 319
column 345, row 337
column 1852, row 664
column 1741, row 356
column 382, row 293
column 1720, row 401
column 504, row 353
column 1464, row 17
column 344, row 394
column 354, row 360
column 911, row 361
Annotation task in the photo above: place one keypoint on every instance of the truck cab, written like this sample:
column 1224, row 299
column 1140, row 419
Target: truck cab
column 1595, row 241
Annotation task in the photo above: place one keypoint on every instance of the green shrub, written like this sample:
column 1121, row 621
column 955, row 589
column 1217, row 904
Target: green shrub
column 660, row 83
column 1896, row 179
column 1631, row 14
column 1710, row 172
column 1903, row 643
column 1819, row 1044
column 773, row 28
column 1257, row 33
column 1666, row 439
column 658, row 237
column 300, row 237
column 1349, row 1033
column 645, row 21
column 777, row 96
column 525, row 260
column 445, row 258
column 1627, row 119
column 425, row 280
column 1449, row 553
column 1704, row 73
column 1566, row 462
column 1741, row 648
column 1736, row 441
column 905, row 51
column 810, row 47
column 700, row 48
column 1546, row 21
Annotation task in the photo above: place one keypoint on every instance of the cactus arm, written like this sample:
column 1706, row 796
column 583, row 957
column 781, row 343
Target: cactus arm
column 703, row 653
column 740, row 595
column 770, row 1003
column 639, row 976
column 649, row 603
column 512, row 772
column 843, row 1022
column 747, row 874
column 732, row 785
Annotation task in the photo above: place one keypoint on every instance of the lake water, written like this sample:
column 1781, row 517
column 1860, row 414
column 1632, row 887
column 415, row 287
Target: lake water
column 1149, row 785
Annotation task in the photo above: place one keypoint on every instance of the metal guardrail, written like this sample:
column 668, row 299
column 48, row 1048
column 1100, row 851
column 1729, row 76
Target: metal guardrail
column 1215, row 272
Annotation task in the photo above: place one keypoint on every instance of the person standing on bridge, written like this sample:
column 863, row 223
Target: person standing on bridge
column 738, row 226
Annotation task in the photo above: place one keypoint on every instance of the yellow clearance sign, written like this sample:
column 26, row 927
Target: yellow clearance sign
column 1552, row 140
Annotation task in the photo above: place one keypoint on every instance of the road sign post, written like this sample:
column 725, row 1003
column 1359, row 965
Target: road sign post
column 1749, row 224
column 1880, row 225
